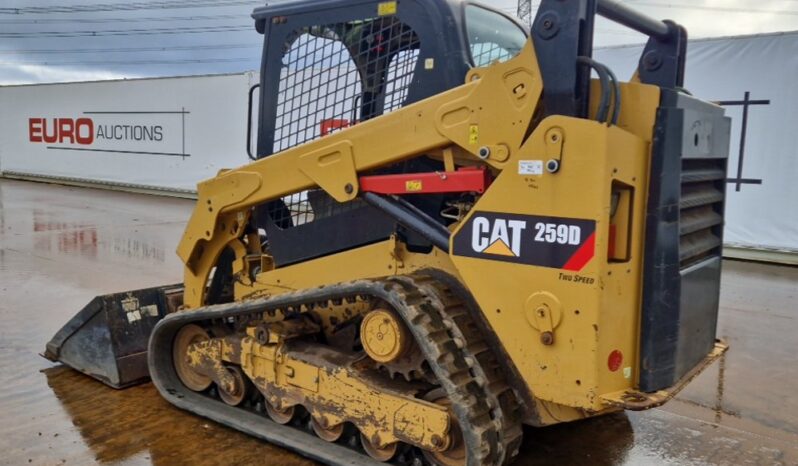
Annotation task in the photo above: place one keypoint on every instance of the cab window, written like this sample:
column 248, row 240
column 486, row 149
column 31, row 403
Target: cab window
column 491, row 36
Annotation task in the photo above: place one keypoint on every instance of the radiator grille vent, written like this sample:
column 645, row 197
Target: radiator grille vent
column 701, row 208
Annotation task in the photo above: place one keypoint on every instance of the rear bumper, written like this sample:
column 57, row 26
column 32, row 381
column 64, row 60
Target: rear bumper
column 635, row 400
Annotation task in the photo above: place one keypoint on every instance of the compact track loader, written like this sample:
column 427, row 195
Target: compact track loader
column 449, row 230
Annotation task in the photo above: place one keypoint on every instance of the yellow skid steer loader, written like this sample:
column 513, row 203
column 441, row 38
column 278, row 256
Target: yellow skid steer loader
column 449, row 229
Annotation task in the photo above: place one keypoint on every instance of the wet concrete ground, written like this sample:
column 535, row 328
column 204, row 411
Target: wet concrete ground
column 61, row 246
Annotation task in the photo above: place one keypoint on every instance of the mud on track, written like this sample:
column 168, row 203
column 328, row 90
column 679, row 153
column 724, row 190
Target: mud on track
column 61, row 246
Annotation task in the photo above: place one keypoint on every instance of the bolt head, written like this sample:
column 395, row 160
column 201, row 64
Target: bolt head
column 547, row 26
column 652, row 61
column 547, row 338
column 349, row 189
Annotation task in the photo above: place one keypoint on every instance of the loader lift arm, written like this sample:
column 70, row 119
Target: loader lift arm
column 504, row 91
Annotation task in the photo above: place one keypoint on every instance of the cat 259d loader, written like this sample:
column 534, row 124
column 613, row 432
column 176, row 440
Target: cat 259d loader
column 449, row 229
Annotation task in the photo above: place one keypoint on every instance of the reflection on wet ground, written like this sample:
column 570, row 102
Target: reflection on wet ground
column 61, row 246
column 137, row 424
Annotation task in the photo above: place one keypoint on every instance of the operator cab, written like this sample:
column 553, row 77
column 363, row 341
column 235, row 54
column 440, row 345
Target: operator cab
column 333, row 64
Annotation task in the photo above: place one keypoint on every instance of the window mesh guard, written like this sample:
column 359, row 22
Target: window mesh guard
column 487, row 53
column 332, row 77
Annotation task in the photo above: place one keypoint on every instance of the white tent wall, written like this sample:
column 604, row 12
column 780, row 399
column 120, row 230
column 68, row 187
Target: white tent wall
column 162, row 134
column 761, row 210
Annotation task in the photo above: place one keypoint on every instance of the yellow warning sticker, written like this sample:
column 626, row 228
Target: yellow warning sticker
column 386, row 8
column 413, row 186
column 473, row 135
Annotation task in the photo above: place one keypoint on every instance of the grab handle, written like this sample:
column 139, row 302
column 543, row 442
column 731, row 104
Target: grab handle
column 249, row 122
column 633, row 19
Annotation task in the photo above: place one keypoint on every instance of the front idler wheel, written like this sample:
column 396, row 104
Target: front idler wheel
column 189, row 335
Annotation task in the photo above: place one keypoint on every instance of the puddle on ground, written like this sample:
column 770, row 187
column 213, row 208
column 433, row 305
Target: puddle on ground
column 136, row 423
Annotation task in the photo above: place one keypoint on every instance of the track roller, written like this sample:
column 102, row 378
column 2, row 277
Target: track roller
column 383, row 454
column 281, row 416
column 325, row 431
column 455, row 453
column 237, row 390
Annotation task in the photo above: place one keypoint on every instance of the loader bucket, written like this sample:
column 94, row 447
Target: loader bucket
column 108, row 338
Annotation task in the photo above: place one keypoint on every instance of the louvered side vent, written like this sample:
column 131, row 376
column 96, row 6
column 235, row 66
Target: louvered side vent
column 701, row 210
column 684, row 239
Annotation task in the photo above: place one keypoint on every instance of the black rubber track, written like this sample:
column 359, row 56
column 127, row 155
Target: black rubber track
column 504, row 405
column 423, row 306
